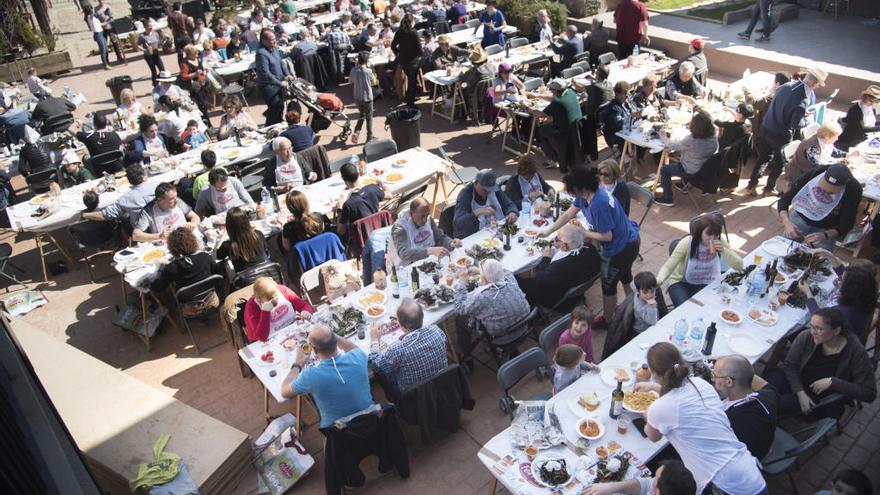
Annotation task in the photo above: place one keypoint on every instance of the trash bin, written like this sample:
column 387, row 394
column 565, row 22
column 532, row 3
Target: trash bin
column 405, row 127
column 117, row 84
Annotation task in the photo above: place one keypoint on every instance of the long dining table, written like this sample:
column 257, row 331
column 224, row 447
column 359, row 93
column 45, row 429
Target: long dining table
column 746, row 338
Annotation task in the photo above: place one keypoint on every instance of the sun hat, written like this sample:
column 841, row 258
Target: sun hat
column 872, row 91
column 70, row 156
column 487, row 179
column 557, row 84
column 478, row 56
column 504, row 67
column 819, row 73
column 165, row 76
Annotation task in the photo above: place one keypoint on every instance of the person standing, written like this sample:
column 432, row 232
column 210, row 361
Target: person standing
column 97, row 29
column 362, row 80
column 272, row 76
column 106, row 17
column 764, row 10
column 631, row 18
column 493, row 23
column 408, row 50
column 181, row 26
column 149, row 41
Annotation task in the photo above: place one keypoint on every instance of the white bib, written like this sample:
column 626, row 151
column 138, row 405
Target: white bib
column 171, row 219
column 282, row 315
column 286, row 173
column 869, row 119
column 225, row 200
column 491, row 200
column 813, row 202
column 419, row 237
column 527, row 187
column 154, row 144
column 704, row 268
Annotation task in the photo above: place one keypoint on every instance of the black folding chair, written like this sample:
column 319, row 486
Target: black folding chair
column 337, row 164
column 100, row 237
column 110, row 162
column 197, row 292
column 571, row 72
column 549, row 337
column 251, row 274
column 38, row 182
column 513, row 372
column 607, row 58
column 518, row 42
column 447, row 216
column 379, row 149
column 500, row 345
column 571, row 297
column 5, row 255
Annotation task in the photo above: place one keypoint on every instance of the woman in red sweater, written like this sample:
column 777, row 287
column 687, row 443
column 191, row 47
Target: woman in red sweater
column 272, row 307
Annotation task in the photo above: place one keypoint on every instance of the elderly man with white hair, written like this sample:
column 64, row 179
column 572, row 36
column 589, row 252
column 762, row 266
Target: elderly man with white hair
column 682, row 83
column 288, row 173
column 496, row 304
column 415, row 235
column 571, row 263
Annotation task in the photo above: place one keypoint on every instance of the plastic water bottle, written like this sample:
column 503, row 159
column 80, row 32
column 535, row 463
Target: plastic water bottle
column 756, row 286
column 267, row 201
column 680, row 333
column 636, row 51
column 67, row 91
column 403, row 283
column 526, row 208
column 697, row 331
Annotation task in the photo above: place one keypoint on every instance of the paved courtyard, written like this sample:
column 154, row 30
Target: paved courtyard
column 80, row 314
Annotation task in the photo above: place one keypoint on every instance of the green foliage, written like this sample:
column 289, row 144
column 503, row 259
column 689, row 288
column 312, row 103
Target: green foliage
column 521, row 13
column 17, row 33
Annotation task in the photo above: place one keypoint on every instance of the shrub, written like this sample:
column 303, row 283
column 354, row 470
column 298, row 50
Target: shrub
column 17, row 33
column 521, row 13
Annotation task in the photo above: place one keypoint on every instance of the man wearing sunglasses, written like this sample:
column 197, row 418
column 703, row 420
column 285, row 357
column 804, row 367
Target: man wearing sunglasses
column 749, row 403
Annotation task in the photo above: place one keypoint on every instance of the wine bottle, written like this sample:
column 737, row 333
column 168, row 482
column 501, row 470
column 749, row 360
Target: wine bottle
column 709, row 340
column 616, row 401
column 395, row 286
column 771, row 277
column 415, row 280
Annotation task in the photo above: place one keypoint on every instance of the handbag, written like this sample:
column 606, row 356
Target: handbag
column 340, row 278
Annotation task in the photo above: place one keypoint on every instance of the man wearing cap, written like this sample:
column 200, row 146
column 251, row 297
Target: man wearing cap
column 696, row 56
column 446, row 53
column 272, row 76
column 821, row 206
column 570, row 46
column 479, row 203
column 563, row 110
column 784, row 118
column 415, row 235
column 72, row 171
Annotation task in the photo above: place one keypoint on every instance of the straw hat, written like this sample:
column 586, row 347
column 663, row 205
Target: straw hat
column 478, row 56
column 165, row 76
column 819, row 73
column 872, row 91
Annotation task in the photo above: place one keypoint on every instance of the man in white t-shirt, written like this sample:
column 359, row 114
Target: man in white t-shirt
column 223, row 193
column 163, row 215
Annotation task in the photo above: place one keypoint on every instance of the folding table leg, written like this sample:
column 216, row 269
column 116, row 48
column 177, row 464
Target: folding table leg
column 299, row 420
column 664, row 160
column 493, row 485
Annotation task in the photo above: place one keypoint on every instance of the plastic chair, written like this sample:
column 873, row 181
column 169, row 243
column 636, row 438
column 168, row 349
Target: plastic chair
column 641, row 196
column 571, row 72
column 499, row 345
column 361, row 229
column 584, row 64
column 310, row 284
column 5, row 255
column 533, row 83
column 702, row 75
column 583, row 57
column 549, row 337
column 253, row 184
column 472, row 23
column 513, row 372
column 493, row 49
column 254, row 166
column 572, row 296
column 111, row 162
column 786, row 448
column 518, row 42
column 460, row 27
column 458, row 176
column 447, row 217
column 251, row 274
column 789, row 150
column 607, row 58
column 199, row 291
column 377, row 150
column 89, row 235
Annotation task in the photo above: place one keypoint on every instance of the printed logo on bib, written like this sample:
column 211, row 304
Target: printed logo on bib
column 821, row 195
column 422, row 236
column 224, row 198
column 171, row 219
column 279, row 311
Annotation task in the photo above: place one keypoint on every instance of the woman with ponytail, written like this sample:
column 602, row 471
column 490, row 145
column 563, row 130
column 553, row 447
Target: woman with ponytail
column 690, row 415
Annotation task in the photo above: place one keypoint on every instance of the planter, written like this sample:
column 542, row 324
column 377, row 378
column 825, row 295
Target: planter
column 46, row 63
column 781, row 12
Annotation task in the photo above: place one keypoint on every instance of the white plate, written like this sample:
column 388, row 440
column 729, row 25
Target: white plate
column 376, row 316
column 601, row 428
column 767, row 312
column 730, row 322
column 541, row 459
column 777, row 247
column 608, row 377
column 745, row 345
column 365, row 306
column 627, row 408
column 580, row 410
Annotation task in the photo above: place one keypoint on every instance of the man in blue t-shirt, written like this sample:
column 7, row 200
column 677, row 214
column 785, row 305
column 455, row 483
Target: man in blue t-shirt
column 338, row 382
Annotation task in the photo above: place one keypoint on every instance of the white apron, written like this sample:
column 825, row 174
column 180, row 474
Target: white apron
column 171, row 219
column 813, row 203
column 527, row 187
column 491, row 200
column 282, row 315
column 286, row 173
column 225, row 200
column 704, row 268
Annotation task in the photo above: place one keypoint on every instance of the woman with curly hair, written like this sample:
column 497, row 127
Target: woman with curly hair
column 856, row 296
column 150, row 143
column 189, row 265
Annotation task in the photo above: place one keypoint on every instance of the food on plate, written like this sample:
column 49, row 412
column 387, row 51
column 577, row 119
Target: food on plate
column 542, row 243
column 490, row 243
column 375, row 311
column 638, row 401
column 39, row 200
column 601, row 452
column 344, row 319
column 764, row 317
column 755, row 314
column 734, row 278
column 612, row 469
column 554, row 472
column 613, row 447
column 481, row 253
column 372, row 298
column 589, row 428
column 589, row 401
column 232, row 154
column 426, row 297
column 396, row 177
column 444, row 294
column 366, row 181
column 464, row 261
column 155, row 254
column 289, row 343
column 400, row 162
column 780, row 277
column 428, row 267
column 730, row 316
column 268, row 357
column 621, row 375
column 530, row 232
column 539, row 222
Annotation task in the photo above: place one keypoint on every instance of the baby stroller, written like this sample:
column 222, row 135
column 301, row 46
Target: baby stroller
column 325, row 109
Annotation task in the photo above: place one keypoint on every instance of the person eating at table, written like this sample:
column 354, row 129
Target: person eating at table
column 100, row 141
column 570, row 362
column 493, row 24
column 72, row 171
column 302, row 224
column 570, row 45
column 415, row 235
column 506, row 87
column 563, row 110
column 478, row 72
column 855, row 295
column 813, row 152
column 272, row 308
column 542, row 29
column 338, row 382
column 129, row 106
column 166, row 86
column 446, row 54
column 246, row 246
column 234, row 118
column 696, row 148
column 479, row 203
column 418, row 355
column 496, row 303
column 189, row 265
column 749, row 403
column 301, row 136
column 860, row 119
column 827, row 358
column 615, row 116
column 689, row 413
column 570, row 264
column 130, row 205
column 694, row 265
column 527, row 183
column 682, row 85
column 821, row 206
column 287, row 173
column 357, row 201
column 610, row 179
column 671, row 478
column 640, row 310
column 645, row 101
column 193, row 137
column 223, row 192
column 149, row 144
column 617, row 235
column 163, row 215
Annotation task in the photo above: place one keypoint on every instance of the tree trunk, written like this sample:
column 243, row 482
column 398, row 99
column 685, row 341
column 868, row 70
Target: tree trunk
column 41, row 12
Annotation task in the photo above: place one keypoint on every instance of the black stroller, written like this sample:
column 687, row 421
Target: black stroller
column 324, row 109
